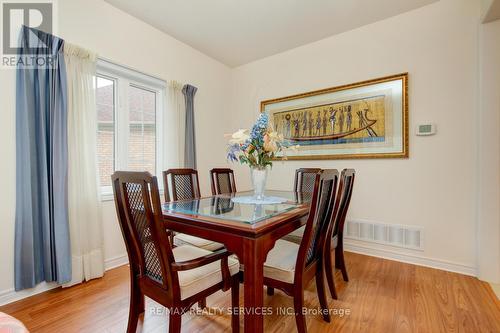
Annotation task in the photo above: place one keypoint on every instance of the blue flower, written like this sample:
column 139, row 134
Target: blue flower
column 259, row 128
column 231, row 152
column 245, row 145
column 260, row 153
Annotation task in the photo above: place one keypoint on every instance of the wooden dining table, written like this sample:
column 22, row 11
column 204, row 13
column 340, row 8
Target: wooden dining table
column 247, row 230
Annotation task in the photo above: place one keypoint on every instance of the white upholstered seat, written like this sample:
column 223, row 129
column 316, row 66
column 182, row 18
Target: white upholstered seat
column 184, row 239
column 280, row 263
column 296, row 237
column 198, row 279
column 298, row 232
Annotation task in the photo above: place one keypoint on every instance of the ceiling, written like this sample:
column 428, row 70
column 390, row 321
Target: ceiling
column 236, row 32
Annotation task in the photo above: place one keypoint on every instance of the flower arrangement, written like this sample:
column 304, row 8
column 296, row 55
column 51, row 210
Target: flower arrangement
column 259, row 147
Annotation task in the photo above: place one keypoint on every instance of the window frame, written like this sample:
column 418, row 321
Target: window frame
column 123, row 78
column 108, row 190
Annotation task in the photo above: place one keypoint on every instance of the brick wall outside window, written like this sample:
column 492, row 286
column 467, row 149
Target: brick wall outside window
column 141, row 132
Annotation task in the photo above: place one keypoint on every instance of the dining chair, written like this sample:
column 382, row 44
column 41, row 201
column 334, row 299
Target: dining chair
column 304, row 179
column 183, row 184
column 176, row 278
column 303, row 186
column 222, row 181
column 290, row 266
column 336, row 230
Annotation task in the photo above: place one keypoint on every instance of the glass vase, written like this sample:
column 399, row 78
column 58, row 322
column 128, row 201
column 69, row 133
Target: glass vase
column 259, row 178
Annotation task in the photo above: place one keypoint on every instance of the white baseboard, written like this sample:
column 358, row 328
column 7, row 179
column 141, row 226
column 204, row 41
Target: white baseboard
column 410, row 258
column 10, row 295
column 496, row 289
column 115, row 262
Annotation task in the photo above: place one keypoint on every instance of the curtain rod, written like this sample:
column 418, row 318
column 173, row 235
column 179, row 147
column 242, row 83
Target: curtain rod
column 133, row 69
column 121, row 65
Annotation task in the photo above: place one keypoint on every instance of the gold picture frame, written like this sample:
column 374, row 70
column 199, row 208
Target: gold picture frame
column 315, row 120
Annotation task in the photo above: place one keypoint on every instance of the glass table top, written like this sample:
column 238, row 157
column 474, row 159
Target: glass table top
column 222, row 206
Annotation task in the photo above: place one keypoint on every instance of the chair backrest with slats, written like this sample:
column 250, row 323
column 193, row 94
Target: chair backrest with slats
column 181, row 184
column 304, row 179
column 222, row 181
column 343, row 201
column 139, row 212
column 320, row 214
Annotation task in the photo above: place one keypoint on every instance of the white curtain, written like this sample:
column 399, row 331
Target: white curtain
column 174, row 125
column 84, row 203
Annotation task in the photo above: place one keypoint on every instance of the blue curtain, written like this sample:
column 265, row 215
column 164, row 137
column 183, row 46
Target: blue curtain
column 42, row 244
column 190, row 140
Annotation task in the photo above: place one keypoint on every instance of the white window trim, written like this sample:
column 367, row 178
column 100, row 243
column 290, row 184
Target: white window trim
column 124, row 77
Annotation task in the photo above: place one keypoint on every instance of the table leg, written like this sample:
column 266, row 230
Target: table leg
column 253, row 286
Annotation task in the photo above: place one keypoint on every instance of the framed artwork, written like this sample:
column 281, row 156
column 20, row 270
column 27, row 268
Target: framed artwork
column 366, row 119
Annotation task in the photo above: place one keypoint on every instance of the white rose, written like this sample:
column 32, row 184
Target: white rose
column 239, row 137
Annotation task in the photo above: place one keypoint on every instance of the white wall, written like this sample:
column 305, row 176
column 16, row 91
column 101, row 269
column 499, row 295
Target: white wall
column 117, row 36
column 436, row 187
column 488, row 241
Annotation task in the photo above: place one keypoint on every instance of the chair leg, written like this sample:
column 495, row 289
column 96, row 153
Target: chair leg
column 298, row 304
column 133, row 318
column 136, row 306
column 202, row 303
column 235, row 303
column 339, row 259
column 330, row 275
column 175, row 320
column 270, row 291
column 140, row 301
column 320, row 287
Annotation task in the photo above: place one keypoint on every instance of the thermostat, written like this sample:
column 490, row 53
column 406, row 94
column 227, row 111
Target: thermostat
column 426, row 129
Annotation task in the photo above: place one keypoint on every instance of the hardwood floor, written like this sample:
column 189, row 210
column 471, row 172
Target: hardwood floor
column 382, row 296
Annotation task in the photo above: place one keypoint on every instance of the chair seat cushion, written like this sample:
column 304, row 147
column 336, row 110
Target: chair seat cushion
column 298, row 232
column 198, row 279
column 280, row 263
column 184, row 239
column 296, row 235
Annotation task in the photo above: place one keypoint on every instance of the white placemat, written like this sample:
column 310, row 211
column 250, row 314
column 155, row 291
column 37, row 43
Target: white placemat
column 264, row 201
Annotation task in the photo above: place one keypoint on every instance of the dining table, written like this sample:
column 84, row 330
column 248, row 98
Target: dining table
column 249, row 230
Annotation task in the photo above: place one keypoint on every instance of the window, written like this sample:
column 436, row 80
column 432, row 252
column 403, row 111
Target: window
column 105, row 98
column 142, row 130
column 129, row 113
